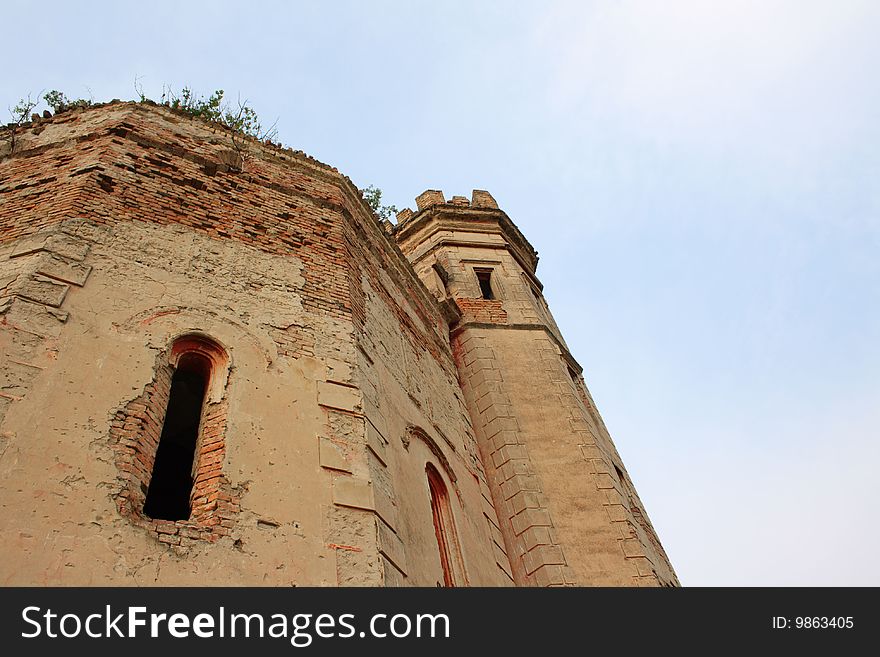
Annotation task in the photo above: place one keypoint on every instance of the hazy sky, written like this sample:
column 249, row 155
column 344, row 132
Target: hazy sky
column 700, row 178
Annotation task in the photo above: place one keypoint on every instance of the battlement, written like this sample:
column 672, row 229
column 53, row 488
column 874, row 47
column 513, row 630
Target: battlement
column 480, row 215
column 430, row 198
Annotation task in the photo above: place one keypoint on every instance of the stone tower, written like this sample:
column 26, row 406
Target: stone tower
column 218, row 367
column 568, row 511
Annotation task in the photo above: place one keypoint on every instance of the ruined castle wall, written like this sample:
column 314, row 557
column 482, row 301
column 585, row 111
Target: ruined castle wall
column 415, row 415
column 124, row 228
column 63, row 478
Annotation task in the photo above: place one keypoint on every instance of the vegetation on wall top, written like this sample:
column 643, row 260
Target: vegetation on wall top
column 239, row 118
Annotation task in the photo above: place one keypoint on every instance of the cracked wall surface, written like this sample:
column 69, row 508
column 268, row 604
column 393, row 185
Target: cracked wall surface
column 124, row 228
column 102, row 356
column 345, row 371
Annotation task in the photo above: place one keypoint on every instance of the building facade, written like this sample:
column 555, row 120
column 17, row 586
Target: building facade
column 217, row 366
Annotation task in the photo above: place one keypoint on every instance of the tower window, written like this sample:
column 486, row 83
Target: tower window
column 444, row 528
column 170, row 491
column 484, row 277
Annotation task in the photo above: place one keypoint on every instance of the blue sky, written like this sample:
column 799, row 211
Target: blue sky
column 699, row 178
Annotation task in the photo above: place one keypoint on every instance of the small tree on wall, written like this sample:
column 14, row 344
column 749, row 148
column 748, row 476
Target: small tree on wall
column 373, row 197
column 20, row 113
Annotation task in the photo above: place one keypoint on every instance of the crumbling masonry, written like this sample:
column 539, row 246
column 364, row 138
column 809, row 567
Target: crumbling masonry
column 330, row 399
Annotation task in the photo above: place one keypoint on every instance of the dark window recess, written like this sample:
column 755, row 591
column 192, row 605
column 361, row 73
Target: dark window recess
column 168, row 496
column 485, row 279
column 442, row 273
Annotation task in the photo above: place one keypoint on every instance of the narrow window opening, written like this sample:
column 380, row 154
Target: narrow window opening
column 442, row 274
column 444, row 527
column 168, row 496
column 484, row 276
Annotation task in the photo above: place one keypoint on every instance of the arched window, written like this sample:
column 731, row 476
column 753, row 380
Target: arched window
column 444, row 529
column 171, row 483
column 170, row 445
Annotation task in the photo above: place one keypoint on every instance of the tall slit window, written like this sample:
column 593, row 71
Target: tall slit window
column 171, row 484
column 444, row 529
column 484, row 277
column 442, row 274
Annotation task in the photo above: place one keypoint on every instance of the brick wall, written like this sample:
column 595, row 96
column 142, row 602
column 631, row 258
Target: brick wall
column 123, row 228
column 129, row 233
column 134, row 438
